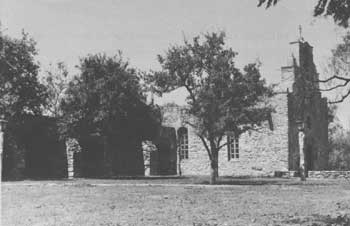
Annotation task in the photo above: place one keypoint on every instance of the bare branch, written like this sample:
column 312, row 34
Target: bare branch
column 341, row 99
column 221, row 146
column 335, row 87
column 333, row 77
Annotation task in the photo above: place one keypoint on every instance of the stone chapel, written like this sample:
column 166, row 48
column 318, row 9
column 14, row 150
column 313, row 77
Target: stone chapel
column 275, row 149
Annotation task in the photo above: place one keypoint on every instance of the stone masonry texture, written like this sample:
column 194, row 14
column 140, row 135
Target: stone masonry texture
column 261, row 153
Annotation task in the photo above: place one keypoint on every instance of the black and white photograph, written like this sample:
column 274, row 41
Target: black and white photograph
column 175, row 113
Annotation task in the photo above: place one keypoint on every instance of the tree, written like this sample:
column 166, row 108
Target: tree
column 221, row 98
column 339, row 156
column 20, row 91
column 339, row 139
column 107, row 98
column 338, row 70
column 56, row 81
column 338, row 9
column 106, row 102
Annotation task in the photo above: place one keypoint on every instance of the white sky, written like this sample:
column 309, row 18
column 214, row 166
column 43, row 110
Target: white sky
column 68, row 29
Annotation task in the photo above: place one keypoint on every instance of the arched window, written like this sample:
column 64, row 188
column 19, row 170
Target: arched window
column 182, row 134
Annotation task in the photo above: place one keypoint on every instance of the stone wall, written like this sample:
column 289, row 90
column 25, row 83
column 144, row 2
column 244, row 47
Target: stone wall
column 286, row 174
column 73, row 148
column 261, row 153
column 329, row 174
column 320, row 174
column 148, row 148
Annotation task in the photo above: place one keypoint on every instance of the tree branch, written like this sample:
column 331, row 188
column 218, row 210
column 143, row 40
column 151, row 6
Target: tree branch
column 341, row 99
column 206, row 146
column 333, row 77
column 221, row 146
column 189, row 123
column 335, row 87
column 218, row 141
column 191, row 93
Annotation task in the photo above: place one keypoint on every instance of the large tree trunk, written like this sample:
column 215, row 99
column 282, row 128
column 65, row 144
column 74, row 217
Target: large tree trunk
column 213, row 153
column 214, row 167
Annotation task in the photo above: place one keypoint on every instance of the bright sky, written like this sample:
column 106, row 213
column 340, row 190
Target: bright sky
column 68, row 29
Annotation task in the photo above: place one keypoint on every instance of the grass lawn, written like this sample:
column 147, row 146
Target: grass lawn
column 182, row 201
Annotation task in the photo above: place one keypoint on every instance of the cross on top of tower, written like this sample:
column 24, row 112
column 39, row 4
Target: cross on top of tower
column 301, row 33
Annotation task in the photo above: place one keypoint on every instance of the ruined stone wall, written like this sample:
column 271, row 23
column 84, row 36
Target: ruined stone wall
column 261, row 153
column 73, row 149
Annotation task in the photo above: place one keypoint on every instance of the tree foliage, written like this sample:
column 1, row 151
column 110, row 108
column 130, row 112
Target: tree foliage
column 339, row 139
column 339, row 69
column 220, row 97
column 56, row 81
column 20, row 91
column 106, row 99
column 338, row 9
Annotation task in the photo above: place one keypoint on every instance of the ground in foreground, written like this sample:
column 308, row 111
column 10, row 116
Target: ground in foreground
column 176, row 202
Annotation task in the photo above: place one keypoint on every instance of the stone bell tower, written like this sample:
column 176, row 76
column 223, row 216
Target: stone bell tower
column 306, row 109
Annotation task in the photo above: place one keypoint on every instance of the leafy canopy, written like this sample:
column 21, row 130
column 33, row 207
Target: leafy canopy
column 107, row 100
column 20, row 91
column 221, row 97
column 56, row 82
